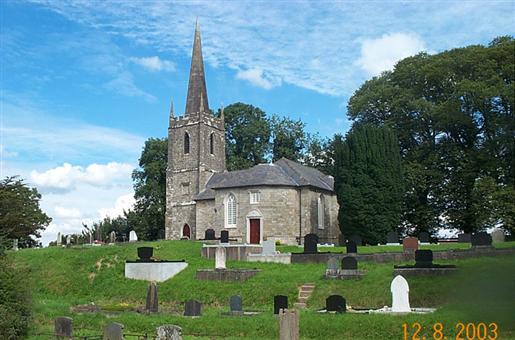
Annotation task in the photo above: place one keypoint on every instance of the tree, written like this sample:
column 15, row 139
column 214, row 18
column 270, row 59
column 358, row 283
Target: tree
column 148, row 217
column 288, row 138
column 453, row 115
column 247, row 136
column 319, row 153
column 20, row 215
column 369, row 183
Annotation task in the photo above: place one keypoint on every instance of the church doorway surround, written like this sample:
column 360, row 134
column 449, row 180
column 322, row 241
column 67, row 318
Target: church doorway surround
column 254, row 227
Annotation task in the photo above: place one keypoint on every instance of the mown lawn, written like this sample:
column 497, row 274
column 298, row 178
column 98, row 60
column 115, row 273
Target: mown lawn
column 482, row 291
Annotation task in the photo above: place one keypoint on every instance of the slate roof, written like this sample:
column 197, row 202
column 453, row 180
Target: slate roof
column 284, row 172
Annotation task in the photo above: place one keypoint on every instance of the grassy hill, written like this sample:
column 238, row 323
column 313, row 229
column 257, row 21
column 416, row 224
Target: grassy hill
column 482, row 291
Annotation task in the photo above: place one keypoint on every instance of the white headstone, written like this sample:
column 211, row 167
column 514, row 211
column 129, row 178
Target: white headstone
column 132, row 236
column 59, row 240
column 498, row 235
column 91, row 238
column 112, row 237
column 220, row 258
column 68, row 239
column 400, row 295
column 268, row 247
column 15, row 244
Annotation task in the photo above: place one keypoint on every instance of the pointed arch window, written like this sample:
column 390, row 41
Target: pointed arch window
column 320, row 212
column 186, row 143
column 212, row 143
column 230, row 211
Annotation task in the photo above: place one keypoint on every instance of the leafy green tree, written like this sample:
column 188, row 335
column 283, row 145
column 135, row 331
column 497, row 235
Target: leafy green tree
column 148, row 217
column 369, row 183
column 20, row 214
column 288, row 138
column 453, row 115
column 319, row 153
column 247, row 136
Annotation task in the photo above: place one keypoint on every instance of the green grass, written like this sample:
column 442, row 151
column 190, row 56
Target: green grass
column 482, row 291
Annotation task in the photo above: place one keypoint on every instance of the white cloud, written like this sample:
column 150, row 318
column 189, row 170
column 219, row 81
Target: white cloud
column 123, row 83
column 67, row 176
column 381, row 54
column 67, row 213
column 257, row 78
column 123, row 203
column 154, row 63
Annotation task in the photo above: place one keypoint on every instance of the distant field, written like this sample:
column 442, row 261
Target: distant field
column 482, row 291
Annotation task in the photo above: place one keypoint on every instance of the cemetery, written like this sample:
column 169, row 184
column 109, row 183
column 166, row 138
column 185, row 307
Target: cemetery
column 88, row 288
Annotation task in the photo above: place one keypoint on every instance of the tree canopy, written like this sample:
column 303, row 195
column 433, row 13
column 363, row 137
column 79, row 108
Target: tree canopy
column 453, row 115
column 20, row 215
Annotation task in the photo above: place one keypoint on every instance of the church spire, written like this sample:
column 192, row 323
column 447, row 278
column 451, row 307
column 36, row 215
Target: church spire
column 197, row 92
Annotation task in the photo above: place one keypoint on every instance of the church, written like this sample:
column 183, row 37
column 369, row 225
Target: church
column 280, row 201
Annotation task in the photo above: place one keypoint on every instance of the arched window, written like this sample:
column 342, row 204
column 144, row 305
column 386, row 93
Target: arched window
column 320, row 212
column 212, row 143
column 186, row 143
column 230, row 211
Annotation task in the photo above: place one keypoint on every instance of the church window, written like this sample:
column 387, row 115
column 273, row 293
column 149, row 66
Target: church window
column 255, row 197
column 320, row 212
column 186, row 143
column 212, row 143
column 230, row 211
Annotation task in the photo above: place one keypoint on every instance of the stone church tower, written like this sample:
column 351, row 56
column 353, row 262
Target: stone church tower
column 196, row 150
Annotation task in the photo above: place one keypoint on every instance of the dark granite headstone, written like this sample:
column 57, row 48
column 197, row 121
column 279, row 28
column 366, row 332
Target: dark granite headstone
column 335, row 303
column 310, row 244
column 224, row 236
column 280, row 302
column 351, row 247
column 145, row 253
column 423, row 258
column 481, row 239
column 192, row 308
column 209, row 234
column 236, row 303
column 423, row 237
column 356, row 239
column 152, row 305
column 349, row 263
column 392, row 237
column 464, row 238
column 113, row 331
column 63, row 327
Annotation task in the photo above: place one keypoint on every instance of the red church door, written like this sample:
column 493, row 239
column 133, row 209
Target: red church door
column 255, row 231
column 186, row 231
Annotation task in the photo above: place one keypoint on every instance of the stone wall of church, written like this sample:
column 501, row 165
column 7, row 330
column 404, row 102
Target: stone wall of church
column 205, row 218
column 309, row 199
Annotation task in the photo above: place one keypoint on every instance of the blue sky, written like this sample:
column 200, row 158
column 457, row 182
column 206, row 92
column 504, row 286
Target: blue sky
column 85, row 83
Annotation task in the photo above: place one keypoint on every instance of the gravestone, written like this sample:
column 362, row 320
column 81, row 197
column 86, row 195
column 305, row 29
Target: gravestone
column 410, row 244
column 68, row 240
column 352, row 247
column 481, row 239
column 341, row 240
column 236, row 304
column 15, row 244
column 268, row 247
column 280, row 302
column 464, row 238
column 335, row 303
column 112, row 237
column 220, row 256
column 288, row 325
column 90, row 238
column 349, row 263
column 423, row 258
column 392, row 238
column 169, row 332
column 209, row 234
column 152, row 305
column 310, row 244
column 113, row 331
column 145, row 254
column 498, row 235
column 63, row 327
column 59, row 240
column 132, row 236
column 224, row 236
column 400, row 295
column 192, row 308
column 356, row 239
column 423, row 237
column 332, row 267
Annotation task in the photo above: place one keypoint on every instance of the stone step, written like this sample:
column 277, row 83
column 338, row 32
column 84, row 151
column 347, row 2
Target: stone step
column 302, row 299
column 304, row 289
column 308, row 285
column 304, row 294
column 299, row 305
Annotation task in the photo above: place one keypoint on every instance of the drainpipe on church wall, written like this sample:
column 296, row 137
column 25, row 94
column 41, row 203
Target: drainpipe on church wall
column 300, row 216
